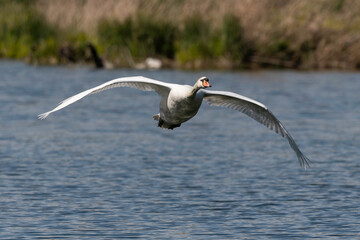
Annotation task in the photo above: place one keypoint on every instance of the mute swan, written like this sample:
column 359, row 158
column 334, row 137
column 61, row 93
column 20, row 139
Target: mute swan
column 179, row 103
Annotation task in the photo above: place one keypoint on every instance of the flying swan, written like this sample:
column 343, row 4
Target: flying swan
column 179, row 103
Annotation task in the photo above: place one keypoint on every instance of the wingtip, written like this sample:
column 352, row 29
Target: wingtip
column 43, row 116
column 304, row 162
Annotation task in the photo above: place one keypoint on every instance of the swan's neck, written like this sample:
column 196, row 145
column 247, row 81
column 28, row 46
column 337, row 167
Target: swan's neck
column 194, row 90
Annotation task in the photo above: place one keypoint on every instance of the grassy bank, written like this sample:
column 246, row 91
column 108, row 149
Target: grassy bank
column 184, row 34
column 194, row 45
column 25, row 34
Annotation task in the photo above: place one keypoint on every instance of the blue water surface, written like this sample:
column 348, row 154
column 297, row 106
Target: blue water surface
column 102, row 169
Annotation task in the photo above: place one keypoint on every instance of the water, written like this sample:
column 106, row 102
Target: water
column 102, row 169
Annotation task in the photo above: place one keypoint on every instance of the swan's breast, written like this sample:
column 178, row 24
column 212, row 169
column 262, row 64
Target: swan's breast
column 180, row 106
column 178, row 96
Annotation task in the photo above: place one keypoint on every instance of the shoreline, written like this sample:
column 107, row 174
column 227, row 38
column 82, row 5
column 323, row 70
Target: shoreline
column 227, row 35
column 248, row 70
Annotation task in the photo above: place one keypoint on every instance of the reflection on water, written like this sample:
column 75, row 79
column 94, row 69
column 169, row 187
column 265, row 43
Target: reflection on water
column 101, row 169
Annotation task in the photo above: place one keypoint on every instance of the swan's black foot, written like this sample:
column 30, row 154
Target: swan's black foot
column 174, row 126
column 161, row 122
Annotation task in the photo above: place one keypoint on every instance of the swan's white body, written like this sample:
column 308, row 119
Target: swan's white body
column 179, row 103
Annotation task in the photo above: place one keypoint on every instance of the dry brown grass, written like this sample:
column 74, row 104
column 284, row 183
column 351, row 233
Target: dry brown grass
column 333, row 25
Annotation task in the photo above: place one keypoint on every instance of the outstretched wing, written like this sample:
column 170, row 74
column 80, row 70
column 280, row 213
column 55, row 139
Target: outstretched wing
column 257, row 111
column 141, row 83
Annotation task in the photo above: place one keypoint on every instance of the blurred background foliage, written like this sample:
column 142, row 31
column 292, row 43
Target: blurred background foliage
column 302, row 34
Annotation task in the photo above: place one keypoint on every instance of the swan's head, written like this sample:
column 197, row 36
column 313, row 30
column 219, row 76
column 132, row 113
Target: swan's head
column 203, row 82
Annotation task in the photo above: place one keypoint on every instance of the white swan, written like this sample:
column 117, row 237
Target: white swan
column 180, row 103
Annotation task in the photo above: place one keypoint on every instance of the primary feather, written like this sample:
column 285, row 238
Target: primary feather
column 180, row 103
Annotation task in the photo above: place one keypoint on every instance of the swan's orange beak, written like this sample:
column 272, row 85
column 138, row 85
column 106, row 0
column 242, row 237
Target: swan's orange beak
column 206, row 84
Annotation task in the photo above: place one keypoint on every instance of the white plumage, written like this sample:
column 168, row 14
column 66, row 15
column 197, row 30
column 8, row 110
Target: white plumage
column 179, row 103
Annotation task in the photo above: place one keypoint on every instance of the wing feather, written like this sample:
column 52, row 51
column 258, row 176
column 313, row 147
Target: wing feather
column 141, row 83
column 258, row 112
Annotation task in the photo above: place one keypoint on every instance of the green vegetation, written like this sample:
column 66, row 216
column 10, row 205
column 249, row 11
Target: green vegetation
column 146, row 37
column 299, row 34
column 137, row 39
column 29, row 36
column 194, row 41
column 23, row 32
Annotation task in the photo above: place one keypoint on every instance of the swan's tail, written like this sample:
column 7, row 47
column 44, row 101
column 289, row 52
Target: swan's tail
column 156, row 117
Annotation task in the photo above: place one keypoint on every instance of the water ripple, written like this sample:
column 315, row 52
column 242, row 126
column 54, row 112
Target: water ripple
column 101, row 169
